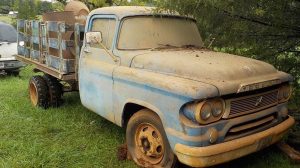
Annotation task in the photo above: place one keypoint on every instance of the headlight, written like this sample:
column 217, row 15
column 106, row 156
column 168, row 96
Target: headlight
column 209, row 111
column 284, row 93
column 217, row 108
column 205, row 112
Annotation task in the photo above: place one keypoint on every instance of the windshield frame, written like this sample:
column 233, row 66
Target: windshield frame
column 157, row 16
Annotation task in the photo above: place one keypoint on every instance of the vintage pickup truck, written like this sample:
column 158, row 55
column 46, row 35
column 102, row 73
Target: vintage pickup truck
column 149, row 72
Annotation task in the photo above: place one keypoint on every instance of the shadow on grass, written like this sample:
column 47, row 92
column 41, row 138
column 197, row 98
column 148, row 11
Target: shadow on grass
column 268, row 157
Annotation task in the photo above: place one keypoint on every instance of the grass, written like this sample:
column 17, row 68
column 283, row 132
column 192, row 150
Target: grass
column 72, row 136
column 6, row 19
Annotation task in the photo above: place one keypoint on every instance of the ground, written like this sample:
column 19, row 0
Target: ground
column 72, row 136
column 6, row 19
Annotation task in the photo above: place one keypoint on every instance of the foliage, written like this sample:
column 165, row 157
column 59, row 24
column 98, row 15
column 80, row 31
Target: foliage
column 58, row 6
column 26, row 8
column 261, row 29
column 6, row 19
column 43, row 7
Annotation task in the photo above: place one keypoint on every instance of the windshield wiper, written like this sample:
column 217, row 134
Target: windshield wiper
column 164, row 46
column 191, row 46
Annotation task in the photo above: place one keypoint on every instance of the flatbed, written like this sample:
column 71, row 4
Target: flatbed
column 52, row 46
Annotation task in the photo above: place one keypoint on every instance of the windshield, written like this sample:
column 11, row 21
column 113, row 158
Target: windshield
column 150, row 32
column 7, row 33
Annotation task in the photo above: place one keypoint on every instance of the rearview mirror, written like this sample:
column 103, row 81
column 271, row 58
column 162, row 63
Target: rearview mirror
column 93, row 38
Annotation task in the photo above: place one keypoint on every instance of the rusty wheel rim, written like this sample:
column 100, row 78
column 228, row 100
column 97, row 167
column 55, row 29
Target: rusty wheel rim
column 149, row 143
column 33, row 94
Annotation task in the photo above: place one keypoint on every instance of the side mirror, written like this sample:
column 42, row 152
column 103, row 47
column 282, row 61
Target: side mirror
column 93, row 38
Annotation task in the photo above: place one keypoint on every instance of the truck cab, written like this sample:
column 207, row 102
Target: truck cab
column 149, row 72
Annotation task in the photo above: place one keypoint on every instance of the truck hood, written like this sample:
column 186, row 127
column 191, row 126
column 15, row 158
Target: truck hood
column 227, row 72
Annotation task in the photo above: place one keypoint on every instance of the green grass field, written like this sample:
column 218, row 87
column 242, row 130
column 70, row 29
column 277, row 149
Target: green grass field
column 72, row 136
column 6, row 19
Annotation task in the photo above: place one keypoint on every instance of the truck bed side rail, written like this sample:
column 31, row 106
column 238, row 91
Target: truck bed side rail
column 54, row 47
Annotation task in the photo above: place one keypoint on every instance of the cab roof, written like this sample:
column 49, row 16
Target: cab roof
column 125, row 11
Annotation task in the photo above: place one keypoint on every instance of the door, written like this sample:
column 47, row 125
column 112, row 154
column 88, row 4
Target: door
column 96, row 67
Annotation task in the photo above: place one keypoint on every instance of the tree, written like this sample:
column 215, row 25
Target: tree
column 268, row 30
column 26, row 9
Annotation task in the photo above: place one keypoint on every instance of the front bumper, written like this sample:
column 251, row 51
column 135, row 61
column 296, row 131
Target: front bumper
column 10, row 65
column 224, row 152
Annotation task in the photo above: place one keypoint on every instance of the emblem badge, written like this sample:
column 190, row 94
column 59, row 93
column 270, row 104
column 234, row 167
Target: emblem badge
column 258, row 101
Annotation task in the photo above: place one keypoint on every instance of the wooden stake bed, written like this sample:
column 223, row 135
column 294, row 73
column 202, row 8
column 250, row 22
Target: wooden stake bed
column 52, row 46
column 44, row 68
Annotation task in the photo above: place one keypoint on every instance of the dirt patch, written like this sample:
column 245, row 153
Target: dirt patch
column 122, row 152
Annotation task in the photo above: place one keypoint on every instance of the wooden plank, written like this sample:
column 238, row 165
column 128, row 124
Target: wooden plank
column 23, row 51
column 34, row 54
column 56, row 26
column 21, row 23
column 54, row 43
column 35, row 40
column 64, row 65
column 44, row 68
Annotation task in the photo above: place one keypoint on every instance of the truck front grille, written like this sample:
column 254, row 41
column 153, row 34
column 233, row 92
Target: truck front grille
column 253, row 103
column 250, row 127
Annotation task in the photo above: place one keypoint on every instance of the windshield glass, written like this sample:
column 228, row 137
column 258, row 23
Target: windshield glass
column 150, row 32
column 7, row 33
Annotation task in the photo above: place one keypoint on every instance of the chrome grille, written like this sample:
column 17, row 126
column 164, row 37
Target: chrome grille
column 253, row 103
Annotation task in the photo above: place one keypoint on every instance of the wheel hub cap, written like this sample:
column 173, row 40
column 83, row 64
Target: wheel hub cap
column 150, row 143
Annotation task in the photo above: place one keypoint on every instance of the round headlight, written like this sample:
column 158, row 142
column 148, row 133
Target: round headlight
column 217, row 108
column 205, row 112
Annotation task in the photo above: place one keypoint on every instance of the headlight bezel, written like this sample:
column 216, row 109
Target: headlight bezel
column 199, row 110
column 284, row 93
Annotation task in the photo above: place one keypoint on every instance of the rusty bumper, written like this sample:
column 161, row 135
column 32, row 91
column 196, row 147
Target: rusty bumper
column 224, row 152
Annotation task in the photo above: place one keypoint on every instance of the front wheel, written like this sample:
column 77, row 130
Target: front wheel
column 147, row 141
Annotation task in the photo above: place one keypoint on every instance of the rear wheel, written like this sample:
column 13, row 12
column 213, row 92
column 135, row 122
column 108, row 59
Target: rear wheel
column 38, row 92
column 147, row 141
column 54, row 91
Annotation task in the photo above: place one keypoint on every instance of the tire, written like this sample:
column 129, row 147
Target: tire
column 147, row 141
column 38, row 92
column 54, row 91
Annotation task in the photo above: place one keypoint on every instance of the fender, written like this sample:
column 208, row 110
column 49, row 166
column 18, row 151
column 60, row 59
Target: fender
column 176, row 85
column 144, row 104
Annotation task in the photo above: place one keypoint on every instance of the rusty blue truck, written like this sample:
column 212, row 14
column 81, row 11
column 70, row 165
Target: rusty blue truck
column 150, row 73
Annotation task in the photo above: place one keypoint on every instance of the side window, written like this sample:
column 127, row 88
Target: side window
column 107, row 28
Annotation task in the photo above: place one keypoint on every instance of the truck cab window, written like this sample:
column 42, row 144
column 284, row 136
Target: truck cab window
column 107, row 28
